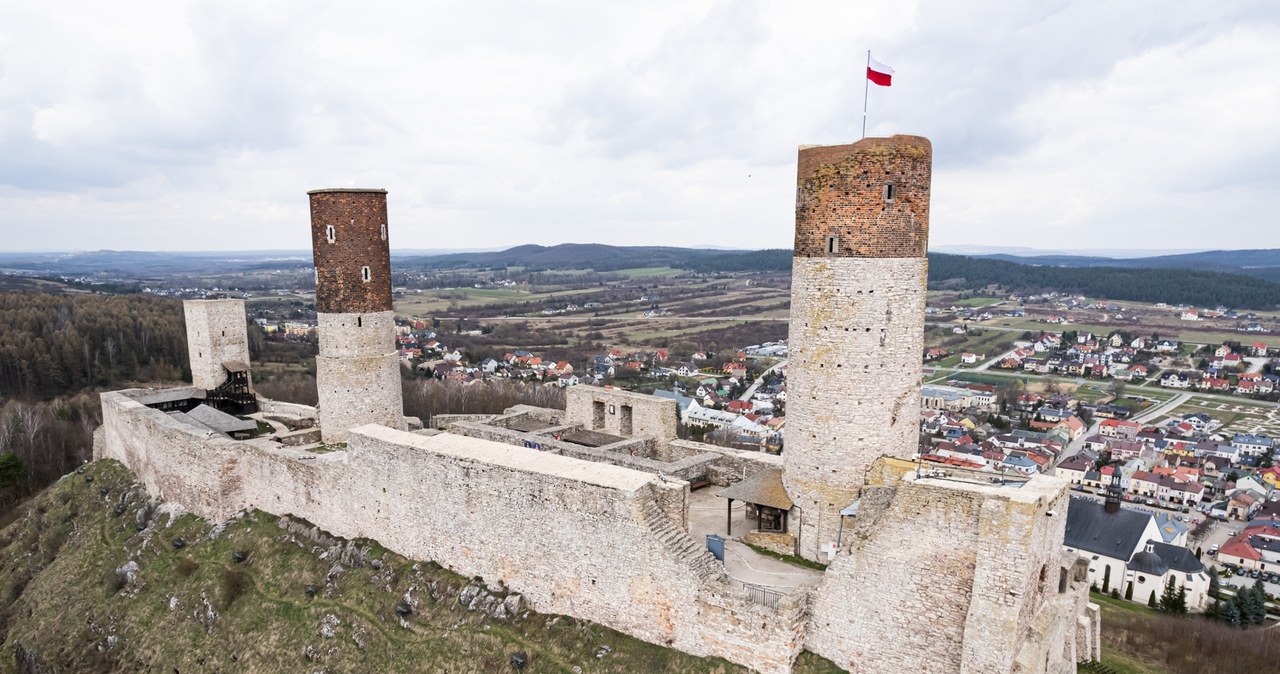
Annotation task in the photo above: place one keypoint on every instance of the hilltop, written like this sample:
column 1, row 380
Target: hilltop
column 101, row 579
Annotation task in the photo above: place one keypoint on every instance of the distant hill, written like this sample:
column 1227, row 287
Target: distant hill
column 137, row 264
column 1241, row 279
column 605, row 258
column 1172, row 285
column 1259, row 263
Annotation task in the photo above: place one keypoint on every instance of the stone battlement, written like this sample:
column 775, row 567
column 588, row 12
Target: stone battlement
column 594, row 541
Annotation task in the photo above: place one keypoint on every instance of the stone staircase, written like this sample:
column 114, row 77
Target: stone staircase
column 692, row 553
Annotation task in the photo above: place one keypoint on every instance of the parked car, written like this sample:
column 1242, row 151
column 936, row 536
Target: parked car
column 1240, row 571
column 1253, row 573
column 1213, row 549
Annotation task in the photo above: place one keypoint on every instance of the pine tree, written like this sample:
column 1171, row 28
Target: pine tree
column 1230, row 612
column 1106, row 579
column 1151, row 601
column 1128, row 591
column 1254, row 603
column 1215, row 585
column 1169, row 598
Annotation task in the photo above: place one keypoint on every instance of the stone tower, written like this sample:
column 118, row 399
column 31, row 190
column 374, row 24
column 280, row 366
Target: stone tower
column 857, row 323
column 216, row 334
column 358, row 367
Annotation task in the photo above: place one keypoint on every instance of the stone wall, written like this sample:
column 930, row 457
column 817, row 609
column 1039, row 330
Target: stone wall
column 733, row 465
column 853, row 391
column 620, row 412
column 950, row 575
column 216, row 333
column 444, row 421
column 593, row 541
column 358, row 373
column 269, row 406
column 688, row 469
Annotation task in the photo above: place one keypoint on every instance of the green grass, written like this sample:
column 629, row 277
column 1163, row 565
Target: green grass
column 1122, row 604
column 1123, row 663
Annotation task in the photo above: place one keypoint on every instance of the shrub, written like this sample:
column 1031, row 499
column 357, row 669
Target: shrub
column 187, row 567
column 234, row 584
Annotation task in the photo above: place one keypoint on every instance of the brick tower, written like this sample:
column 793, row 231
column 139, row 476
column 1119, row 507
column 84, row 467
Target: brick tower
column 857, row 323
column 358, row 368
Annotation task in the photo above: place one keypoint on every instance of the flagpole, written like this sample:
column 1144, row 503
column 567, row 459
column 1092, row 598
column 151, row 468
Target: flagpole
column 866, row 85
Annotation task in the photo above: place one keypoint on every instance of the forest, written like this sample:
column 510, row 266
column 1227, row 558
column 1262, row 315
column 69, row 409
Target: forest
column 1175, row 286
column 57, row 344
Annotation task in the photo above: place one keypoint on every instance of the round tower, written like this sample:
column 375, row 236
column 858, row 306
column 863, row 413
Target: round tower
column 358, row 367
column 857, row 323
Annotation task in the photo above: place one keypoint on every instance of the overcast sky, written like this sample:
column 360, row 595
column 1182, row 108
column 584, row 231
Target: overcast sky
column 173, row 125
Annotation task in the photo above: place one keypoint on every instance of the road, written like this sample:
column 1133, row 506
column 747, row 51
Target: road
column 1162, row 408
column 983, row 367
column 751, row 390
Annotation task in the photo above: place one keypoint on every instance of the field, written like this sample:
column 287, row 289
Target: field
column 1242, row 416
column 696, row 310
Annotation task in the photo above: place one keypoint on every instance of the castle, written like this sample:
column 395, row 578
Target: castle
column 585, row 511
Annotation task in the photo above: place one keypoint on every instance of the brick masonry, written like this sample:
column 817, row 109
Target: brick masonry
column 358, row 369
column 217, row 332
column 841, row 192
column 359, row 222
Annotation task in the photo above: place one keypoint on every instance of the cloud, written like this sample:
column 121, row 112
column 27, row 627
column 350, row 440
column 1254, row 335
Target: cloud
column 184, row 125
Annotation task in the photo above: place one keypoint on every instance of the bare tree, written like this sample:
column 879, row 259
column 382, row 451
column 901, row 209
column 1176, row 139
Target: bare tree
column 33, row 418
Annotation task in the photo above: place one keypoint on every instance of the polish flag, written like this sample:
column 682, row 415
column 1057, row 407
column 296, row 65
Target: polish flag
column 878, row 72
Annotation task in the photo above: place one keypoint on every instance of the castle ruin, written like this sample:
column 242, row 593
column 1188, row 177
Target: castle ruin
column 585, row 511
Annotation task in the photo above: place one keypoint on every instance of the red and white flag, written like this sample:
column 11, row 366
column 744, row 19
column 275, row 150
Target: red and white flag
column 878, row 72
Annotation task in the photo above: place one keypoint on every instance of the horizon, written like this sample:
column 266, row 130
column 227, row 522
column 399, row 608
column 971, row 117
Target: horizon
column 971, row 251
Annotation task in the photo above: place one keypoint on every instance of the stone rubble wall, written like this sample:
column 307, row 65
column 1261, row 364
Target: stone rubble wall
column 733, row 465
column 358, row 373
column 590, row 406
column 443, row 421
column 216, row 333
column 269, row 406
column 593, row 541
column 853, row 382
column 950, row 576
column 688, row 469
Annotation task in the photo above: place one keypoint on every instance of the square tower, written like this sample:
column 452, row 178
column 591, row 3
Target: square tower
column 857, row 322
column 217, row 335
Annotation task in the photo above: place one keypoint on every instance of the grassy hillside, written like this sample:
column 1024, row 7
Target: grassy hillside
column 106, row 582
